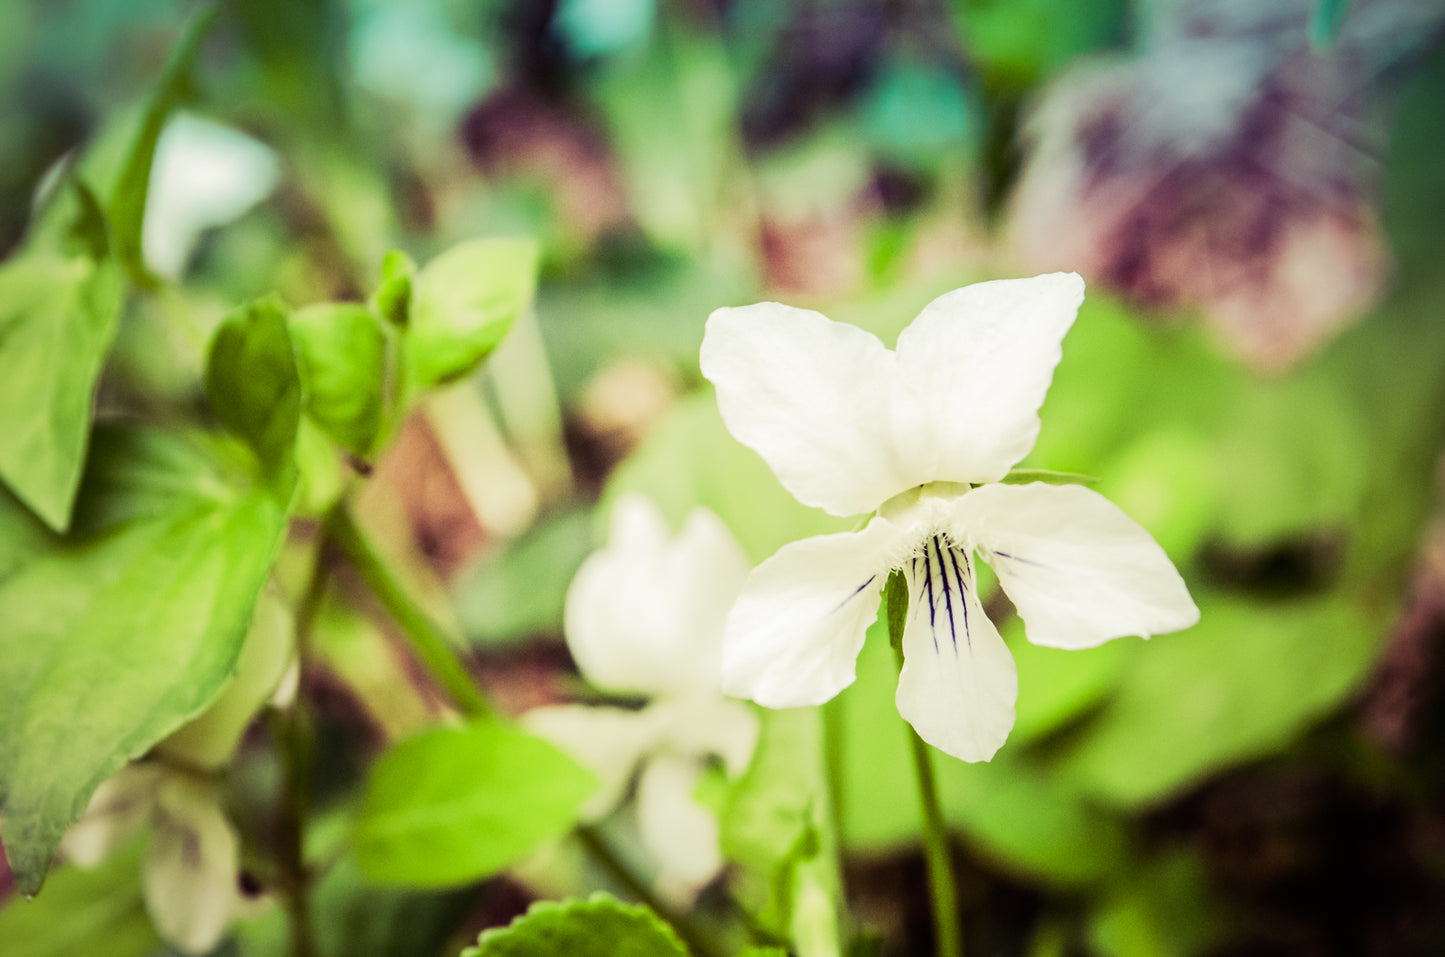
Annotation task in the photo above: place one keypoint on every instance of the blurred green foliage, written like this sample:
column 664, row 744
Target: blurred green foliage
column 660, row 160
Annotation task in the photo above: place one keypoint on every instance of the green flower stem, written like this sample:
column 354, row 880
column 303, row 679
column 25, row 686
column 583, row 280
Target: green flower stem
column 941, row 885
column 427, row 638
column 601, row 851
column 295, row 738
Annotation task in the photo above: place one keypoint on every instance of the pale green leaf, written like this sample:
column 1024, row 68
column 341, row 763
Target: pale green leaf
column 1244, row 681
column 600, row 926
column 520, row 592
column 393, row 291
column 57, row 318
column 341, row 355
column 120, row 632
column 254, row 386
column 98, row 911
column 462, row 304
column 127, row 205
column 457, row 804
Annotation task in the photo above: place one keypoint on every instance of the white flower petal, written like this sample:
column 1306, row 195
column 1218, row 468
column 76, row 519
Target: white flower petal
column 815, row 398
column 700, row 727
column 1079, row 570
column 794, row 635
column 959, row 684
column 645, row 613
column 977, row 363
column 679, row 833
column 609, row 742
column 119, row 807
column 192, row 866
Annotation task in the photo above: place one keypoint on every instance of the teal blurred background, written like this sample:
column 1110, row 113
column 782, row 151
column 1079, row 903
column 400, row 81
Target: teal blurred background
column 1254, row 195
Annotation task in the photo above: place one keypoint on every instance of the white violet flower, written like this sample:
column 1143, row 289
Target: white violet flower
column 922, row 436
column 191, row 876
column 644, row 616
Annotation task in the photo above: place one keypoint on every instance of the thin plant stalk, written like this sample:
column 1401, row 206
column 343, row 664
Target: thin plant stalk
column 427, row 638
column 943, row 889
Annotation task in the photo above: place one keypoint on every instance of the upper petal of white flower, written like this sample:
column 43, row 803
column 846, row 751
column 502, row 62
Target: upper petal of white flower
column 645, row 613
column 1079, row 570
column 959, row 684
column 846, row 424
column 976, row 364
column 815, row 398
column 794, row 635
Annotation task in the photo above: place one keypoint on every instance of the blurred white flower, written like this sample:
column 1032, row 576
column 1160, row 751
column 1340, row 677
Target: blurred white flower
column 849, row 426
column 204, row 175
column 644, row 616
column 191, row 872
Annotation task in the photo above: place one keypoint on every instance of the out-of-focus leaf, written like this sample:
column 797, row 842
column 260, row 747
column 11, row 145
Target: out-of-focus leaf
column 773, row 825
column 462, row 304
column 671, row 112
column 393, row 291
column 1294, row 461
column 1017, row 810
column 453, row 805
column 120, row 632
column 918, row 111
column 128, row 202
column 600, row 926
column 1169, row 482
column 254, row 386
column 1325, row 22
column 521, row 591
column 341, row 356
column 98, row 911
column 353, row 918
column 208, row 741
column 1242, row 682
column 1057, row 685
column 57, row 318
column 1164, row 907
column 1019, row 43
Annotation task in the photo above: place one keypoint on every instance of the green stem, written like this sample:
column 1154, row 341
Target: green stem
column 602, row 852
column 428, row 639
column 291, row 730
column 948, row 931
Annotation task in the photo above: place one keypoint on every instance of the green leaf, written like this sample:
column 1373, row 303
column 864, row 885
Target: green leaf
column 1243, row 682
column 1325, row 23
column 773, row 821
column 463, row 302
column 98, row 911
column 120, row 632
column 600, row 926
column 452, row 805
column 521, row 591
column 254, row 386
column 1027, row 817
column 1047, row 476
column 393, row 292
column 127, row 205
column 1165, row 906
column 341, row 356
column 57, row 319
